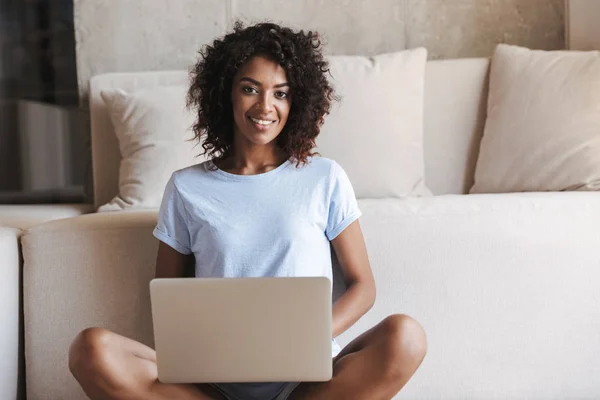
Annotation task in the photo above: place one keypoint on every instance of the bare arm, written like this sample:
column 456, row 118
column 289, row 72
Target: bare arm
column 359, row 296
column 172, row 264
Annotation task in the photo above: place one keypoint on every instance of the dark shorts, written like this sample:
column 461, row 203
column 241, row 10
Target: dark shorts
column 282, row 394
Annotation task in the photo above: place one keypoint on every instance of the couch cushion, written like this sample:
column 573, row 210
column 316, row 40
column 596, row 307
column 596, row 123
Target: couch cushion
column 504, row 285
column 542, row 131
column 25, row 216
column 376, row 131
column 91, row 270
column 154, row 130
column 105, row 146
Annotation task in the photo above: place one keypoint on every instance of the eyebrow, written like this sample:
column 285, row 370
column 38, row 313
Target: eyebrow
column 257, row 83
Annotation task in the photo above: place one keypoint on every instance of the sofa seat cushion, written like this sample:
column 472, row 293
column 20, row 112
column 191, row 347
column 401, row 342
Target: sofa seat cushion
column 505, row 286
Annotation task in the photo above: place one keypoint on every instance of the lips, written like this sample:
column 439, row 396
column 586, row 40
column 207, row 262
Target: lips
column 261, row 124
column 261, row 121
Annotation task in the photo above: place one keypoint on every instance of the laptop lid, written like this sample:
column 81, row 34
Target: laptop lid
column 242, row 329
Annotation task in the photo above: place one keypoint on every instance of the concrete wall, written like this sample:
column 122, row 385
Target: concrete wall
column 582, row 26
column 134, row 35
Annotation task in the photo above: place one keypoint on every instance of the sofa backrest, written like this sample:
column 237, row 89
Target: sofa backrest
column 455, row 111
column 455, row 100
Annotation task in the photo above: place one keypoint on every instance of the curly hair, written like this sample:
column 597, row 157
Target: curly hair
column 298, row 53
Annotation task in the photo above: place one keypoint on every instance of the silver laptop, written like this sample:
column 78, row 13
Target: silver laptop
column 242, row 329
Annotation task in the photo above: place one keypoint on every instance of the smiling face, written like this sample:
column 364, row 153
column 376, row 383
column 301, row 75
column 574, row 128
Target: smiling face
column 261, row 101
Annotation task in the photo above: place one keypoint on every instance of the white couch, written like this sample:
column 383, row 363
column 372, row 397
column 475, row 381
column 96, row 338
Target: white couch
column 10, row 345
column 505, row 285
column 14, row 220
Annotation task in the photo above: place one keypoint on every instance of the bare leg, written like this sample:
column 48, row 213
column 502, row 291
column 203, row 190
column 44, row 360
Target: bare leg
column 375, row 365
column 111, row 366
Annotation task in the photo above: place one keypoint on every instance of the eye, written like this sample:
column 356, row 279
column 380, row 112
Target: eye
column 248, row 89
column 281, row 95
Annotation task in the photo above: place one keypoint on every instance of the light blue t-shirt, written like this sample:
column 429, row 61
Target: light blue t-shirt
column 275, row 224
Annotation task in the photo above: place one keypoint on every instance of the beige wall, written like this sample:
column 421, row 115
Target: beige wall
column 134, row 35
column 582, row 24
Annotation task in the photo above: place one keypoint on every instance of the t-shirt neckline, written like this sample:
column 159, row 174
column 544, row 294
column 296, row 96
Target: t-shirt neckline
column 213, row 168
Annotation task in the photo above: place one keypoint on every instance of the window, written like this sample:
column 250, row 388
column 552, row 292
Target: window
column 42, row 141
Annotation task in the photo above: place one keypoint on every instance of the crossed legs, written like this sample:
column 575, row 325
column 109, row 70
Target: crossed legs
column 375, row 365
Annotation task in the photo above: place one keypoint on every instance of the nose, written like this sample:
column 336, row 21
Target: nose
column 265, row 103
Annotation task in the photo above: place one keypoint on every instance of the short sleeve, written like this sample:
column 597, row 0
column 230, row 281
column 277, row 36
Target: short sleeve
column 343, row 207
column 172, row 227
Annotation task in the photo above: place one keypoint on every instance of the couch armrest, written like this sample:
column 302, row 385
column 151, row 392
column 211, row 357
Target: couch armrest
column 25, row 216
column 90, row 270
column 9, row 312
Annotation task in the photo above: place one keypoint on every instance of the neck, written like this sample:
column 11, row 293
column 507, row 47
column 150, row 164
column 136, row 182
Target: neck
column 254, row 159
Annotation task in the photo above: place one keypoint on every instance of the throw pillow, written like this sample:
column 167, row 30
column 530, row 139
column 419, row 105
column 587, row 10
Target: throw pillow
column 542, row 131
column 153, row 128
column 376, row 131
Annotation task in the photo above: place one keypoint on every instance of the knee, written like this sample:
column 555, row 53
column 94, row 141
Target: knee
column 97, row 363
column 405, row 341
column 88, row 349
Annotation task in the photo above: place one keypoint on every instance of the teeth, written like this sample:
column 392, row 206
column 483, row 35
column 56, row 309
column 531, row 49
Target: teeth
column 261, row 122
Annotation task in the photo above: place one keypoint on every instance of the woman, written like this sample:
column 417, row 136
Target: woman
column 263, row 205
